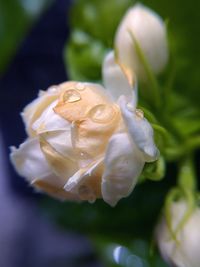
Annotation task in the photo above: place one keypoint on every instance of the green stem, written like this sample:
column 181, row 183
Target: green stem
column 187, row 177
column 171, row 197
column 155, row 88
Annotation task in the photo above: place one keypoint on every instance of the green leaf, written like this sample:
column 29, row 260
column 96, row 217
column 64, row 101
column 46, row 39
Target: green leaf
column 84, row 56
column 154, row 171
column 93, row 28
column 16, row 18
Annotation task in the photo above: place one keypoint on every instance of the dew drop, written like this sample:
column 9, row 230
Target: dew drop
column 71, row 96
column 130, row 107
column 139, row 113
column 85, row 159
column 102, row 113
column 82, row 155
column 80, row 86
column 53, row 89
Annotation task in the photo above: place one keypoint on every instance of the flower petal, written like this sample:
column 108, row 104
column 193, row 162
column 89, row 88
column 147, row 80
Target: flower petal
column 118, row 80
column 50, row 121
column 74, row 104
column 184, row 249
column 53, row 186
column 91, row 135
column 55, row 130
column 61, row 142
column 63, row 167
column 123, row 165
column 148, row 28
column 87, row 182
column 29, row 160
column 33, row 111
column 140, row 130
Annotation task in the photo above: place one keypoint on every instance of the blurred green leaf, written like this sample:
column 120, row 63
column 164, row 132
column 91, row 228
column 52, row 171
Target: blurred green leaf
column 16, row 17
column 135, row 215
column 93, row 25
column 85, row 54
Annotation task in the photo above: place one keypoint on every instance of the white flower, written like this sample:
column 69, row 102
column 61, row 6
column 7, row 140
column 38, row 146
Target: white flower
column 182, row 251
column 85, row 142
column 144, row 25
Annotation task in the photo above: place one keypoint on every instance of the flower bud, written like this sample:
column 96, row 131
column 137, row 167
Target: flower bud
column 179, row 245
column 82, row 144
column 142, row 25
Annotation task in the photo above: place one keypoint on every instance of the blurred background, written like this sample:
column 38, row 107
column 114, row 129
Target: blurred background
column 43, row 42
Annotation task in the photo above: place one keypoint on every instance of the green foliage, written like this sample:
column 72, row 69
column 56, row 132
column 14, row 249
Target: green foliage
column 84, row 48
column 134, row 216
column 130, row 224
column 15, row 20
column 93, row 23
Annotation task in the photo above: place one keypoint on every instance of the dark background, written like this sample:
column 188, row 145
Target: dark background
column 27, row 238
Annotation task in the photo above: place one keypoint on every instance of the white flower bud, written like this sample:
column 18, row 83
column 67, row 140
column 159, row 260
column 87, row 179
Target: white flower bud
column 79, row 146
column 181, row 250
column 148, row 29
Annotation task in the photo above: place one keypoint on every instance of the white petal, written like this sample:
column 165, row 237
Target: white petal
column 61, row 142
column 123, row 165
column 50, row 121
column 140, row 130
column 33, row 110
column 63, row 166
column 116, row 82
column 55, row 130
column 86, row 182
column 29, row 160
column 185, row 250
column 149, row 30
column 53, row 186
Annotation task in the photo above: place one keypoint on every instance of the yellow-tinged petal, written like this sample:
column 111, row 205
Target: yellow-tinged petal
column 74, row 104
column 52, row 186
column 93, row 133
column 33, row 111
column 87, row 182
column 62, row 166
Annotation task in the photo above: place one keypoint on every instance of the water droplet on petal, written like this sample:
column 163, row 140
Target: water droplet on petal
column 71, row 96
column 82, row 155
column 102, row 113
column 139, row 113
column 130, row 107
column 80, row 86
column 53, row 89
column 85, row 159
